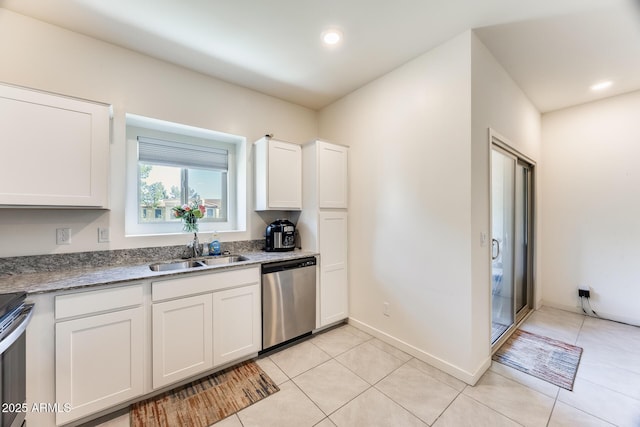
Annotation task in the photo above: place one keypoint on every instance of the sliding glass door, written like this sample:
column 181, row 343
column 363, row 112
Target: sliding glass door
column 521, row 238
column 511, row 251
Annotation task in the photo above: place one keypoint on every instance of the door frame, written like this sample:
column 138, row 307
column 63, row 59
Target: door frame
column 502, row 143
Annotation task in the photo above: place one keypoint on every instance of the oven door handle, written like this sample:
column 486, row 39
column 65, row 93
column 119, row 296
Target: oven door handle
column 20, row 326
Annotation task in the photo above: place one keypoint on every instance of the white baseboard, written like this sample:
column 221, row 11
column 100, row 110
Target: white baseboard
column 468, row 377
column 601, row 314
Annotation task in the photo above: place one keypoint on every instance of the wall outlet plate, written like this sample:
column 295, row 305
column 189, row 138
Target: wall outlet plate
column 63, row 236
column 103, row 234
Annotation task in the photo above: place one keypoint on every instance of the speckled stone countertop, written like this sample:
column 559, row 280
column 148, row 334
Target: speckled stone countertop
column 72, row 273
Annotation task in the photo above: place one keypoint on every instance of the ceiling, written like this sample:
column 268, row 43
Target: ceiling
column 553, row 49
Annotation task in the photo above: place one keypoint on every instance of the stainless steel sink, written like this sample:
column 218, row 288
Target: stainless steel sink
column 194, row 263
column 222, row 259
column 180, row 265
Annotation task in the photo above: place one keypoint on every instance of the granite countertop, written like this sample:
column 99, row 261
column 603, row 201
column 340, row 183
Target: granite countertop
column 81, row 277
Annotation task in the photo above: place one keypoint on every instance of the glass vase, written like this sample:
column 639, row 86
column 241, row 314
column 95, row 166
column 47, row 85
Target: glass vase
column 190, row 224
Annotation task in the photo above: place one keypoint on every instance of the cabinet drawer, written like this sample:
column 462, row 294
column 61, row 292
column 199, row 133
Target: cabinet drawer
column 92, row 302
column 203, row 283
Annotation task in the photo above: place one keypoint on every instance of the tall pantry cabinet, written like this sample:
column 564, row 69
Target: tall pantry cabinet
column 323, row 224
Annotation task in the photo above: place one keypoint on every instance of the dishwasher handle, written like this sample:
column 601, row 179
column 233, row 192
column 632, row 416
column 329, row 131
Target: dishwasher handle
column 274, row 267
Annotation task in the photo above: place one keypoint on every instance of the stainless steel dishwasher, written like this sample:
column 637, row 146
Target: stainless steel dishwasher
column 288, row 300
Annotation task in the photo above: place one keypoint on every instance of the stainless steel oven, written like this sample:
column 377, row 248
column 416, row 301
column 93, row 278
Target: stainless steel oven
column 14, row 318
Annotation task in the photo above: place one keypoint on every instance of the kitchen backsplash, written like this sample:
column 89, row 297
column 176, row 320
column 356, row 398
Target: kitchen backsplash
column 96, row 259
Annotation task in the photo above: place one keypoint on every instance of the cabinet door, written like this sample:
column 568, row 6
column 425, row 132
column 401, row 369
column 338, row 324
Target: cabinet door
column 332, row 175
column 284, row 176
column 55, row 150
column 334, row 298
column 99, row 362
column 182, row 339
column 237, row 323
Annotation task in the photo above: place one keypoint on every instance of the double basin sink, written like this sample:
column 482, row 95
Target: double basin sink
column 196, row 263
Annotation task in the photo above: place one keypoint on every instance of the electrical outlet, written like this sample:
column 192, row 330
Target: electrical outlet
column 584, row 293
column 103, row 234
column 385, row 309
column 583, row 290
column 63, row 236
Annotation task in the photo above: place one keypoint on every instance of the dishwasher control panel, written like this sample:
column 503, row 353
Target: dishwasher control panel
column 288, row 265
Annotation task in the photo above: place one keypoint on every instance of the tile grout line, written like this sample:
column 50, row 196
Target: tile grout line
column 525, row 385
column 373, row 386
column 580, row 330
column 487, row 406
column 292, row 379
column 449, row 405
column 389, row 397
column 310, row 399
column 369, row 386
column 555, row 402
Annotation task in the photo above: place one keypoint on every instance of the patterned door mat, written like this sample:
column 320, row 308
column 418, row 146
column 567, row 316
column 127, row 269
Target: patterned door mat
column 550, row 360
column 206, row 401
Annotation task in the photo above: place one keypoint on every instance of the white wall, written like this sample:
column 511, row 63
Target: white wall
column 410, row 166
column 591, row 209
column 419, row 198
column 46, row 57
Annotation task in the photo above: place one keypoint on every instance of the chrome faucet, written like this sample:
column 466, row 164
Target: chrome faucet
column 193, row 249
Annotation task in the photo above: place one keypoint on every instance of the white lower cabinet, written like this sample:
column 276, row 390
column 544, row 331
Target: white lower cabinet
column 103, row 350
column 237, row 327
column 99, row 362
column 203, row 321
column 182, row 339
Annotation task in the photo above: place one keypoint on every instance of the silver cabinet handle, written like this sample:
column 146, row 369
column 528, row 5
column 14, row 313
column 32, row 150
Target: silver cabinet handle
column 495, row 244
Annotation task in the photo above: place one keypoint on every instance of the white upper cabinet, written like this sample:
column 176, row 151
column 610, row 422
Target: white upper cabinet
column 55, row 150
column 278, row 175
column 332, row 175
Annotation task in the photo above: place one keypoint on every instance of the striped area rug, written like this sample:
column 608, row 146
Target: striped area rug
column 206, row 401
column 550, row 360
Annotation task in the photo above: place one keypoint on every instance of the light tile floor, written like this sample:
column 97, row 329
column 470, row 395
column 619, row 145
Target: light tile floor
column 346, row 378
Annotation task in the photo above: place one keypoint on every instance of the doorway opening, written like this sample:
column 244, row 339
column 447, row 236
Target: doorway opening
column 512, row 220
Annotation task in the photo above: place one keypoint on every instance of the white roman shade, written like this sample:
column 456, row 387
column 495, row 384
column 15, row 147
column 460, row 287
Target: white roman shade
column 170, row 153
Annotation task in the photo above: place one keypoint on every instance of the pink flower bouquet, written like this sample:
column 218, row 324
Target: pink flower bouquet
column 190, row 215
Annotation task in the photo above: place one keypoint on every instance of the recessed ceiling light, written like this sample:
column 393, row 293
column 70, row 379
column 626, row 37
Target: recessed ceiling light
column 331, row 37
column 602, row 85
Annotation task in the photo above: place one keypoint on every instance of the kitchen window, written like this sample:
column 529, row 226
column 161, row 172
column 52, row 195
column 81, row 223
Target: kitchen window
column 172, row 174
column 170, row 165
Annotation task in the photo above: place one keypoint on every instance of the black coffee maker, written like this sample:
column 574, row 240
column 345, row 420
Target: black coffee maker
column 280, row 236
